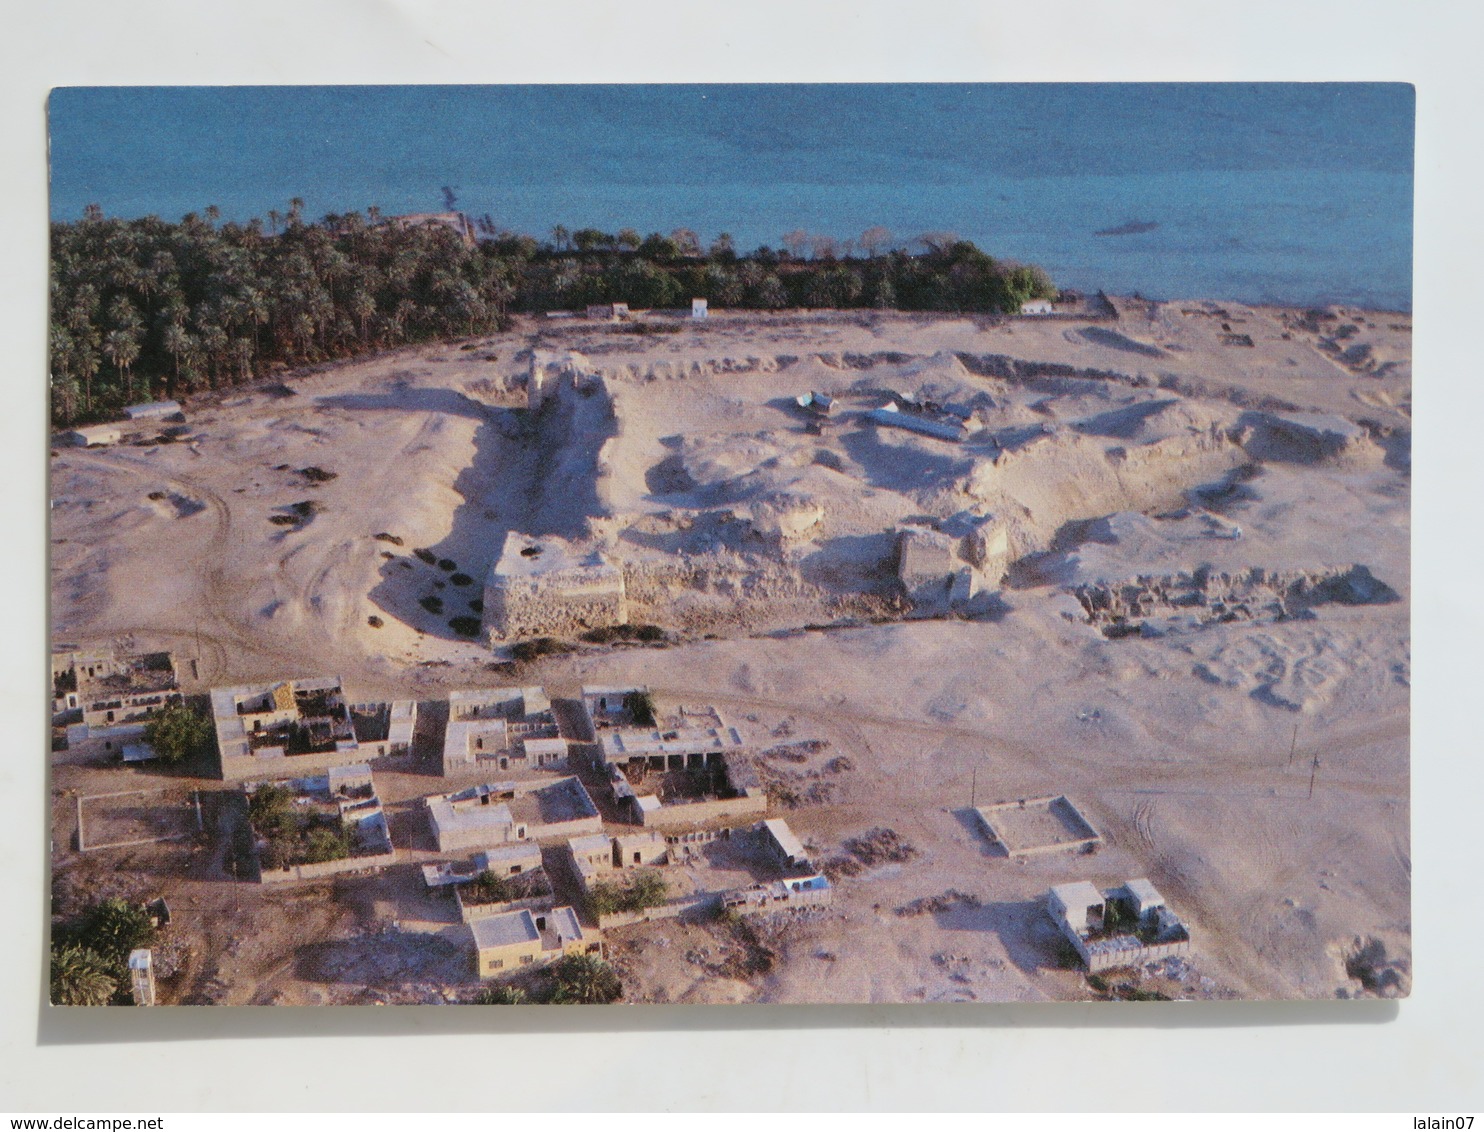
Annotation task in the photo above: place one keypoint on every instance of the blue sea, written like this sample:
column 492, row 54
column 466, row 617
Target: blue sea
column 1291, row 192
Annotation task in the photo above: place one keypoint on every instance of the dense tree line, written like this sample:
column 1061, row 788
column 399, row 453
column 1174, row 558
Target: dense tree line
column 145, row 308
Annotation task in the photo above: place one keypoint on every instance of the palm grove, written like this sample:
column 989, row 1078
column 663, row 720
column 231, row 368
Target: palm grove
column 147, row 308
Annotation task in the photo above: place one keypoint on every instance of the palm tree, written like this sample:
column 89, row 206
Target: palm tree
column 81, row 977
column 586, row 980
column 122, row 348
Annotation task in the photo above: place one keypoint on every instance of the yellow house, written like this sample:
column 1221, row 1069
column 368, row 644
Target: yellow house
column 507, row 942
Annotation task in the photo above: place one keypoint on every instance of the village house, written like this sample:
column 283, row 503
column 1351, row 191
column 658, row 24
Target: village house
column 299, row 727
column 686, row 771
column 783, row 846
column 342, row 799
column 510, row 941
column 91, row 436
column 105, row 701
column 494, row 814
column 155, row 411
column 780, row 896
column 1117, row 927
column 503, row 861
column 698, row 309
column 502, row 729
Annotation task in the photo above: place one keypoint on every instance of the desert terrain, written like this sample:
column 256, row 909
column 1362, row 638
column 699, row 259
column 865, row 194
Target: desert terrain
column 1202, row 633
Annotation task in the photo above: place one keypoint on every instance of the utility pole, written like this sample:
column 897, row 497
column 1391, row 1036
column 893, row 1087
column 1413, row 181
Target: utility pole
column 973, row 788
column 1294, row 747
column 1313, row 771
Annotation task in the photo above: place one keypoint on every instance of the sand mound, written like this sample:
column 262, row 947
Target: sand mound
column 1303, row 438
column 1145, row 422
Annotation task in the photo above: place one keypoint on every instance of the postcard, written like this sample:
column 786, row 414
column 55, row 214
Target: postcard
column 730, row 544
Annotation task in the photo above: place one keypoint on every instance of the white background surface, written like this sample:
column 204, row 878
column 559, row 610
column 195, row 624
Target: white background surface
column 1421, row 1055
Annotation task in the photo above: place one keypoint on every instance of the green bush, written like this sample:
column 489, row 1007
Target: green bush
column 647, row 890
column 585, row 979
column 178, row 733
column 538, row 647
column 641, row 706
column 487, row 888
column 113, row 928
column 500, row 996
column 81, row 977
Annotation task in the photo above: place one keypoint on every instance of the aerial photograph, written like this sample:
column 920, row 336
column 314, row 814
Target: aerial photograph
column 789, row 543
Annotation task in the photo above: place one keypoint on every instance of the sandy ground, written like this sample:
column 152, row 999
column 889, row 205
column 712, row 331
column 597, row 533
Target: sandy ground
column 1192, row 752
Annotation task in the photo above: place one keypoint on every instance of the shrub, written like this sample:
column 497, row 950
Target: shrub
column 538, row 647
column 461, row 579
column 477, row 605
column 585, row 979
column 326, row 843
column 374, row 621
column 432, row 603
column 647, row 890
column 114, row 928
column 393, row 539
column 500, row 996
column 465, row 626
column 487, row 888
column 447, row 564
column 317, row 475
column 177, row 733
column 641, row 706
column 426, row 555
column 81, row 977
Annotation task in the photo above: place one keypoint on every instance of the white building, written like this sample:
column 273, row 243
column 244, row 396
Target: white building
column 504, row 729
column 1124, row 926
column 698, row 308
column 154, row 411
column 93, row 436
column 1036, row 307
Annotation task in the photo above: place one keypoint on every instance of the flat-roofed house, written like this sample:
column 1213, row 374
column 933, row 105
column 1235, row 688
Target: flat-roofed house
column 504, row 729
column 106, row 701
column 154, row 411
column 285, row 729
column 494, row 814
column 783, row 845
column 1125, row 926
column 506, row 942
column 92, row 436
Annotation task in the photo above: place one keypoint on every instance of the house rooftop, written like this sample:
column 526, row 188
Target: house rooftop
column 1144, row 892
column 787, row 841
column 620, row 743
column 1079, row 895
column 591, row 843
column 504, row 929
